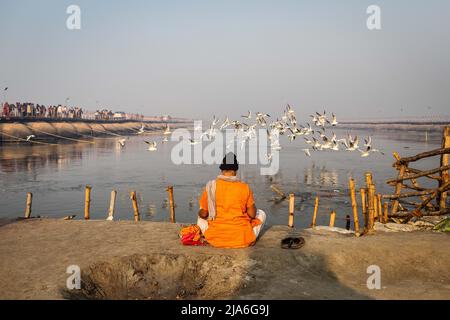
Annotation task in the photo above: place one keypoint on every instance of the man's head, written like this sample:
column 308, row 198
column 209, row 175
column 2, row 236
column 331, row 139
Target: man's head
column 229, row 164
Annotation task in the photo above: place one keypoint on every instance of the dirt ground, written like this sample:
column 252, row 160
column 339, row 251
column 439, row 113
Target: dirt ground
column 145, row 260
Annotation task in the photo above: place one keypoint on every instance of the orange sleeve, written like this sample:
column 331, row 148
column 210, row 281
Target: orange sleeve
column 250, row 200
column 204, row 201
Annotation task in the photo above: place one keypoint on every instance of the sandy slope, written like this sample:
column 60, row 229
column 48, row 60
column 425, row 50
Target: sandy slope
column 146, row 260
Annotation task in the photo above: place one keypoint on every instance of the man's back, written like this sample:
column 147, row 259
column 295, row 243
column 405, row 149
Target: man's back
column 232, row 227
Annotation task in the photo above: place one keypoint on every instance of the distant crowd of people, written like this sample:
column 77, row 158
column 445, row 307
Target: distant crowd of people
column 31, row 110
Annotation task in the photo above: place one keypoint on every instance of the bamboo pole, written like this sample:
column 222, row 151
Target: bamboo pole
column 409, row 214
column 87, row 203
column 316, row 208
column 409, row 194
column 29, row 203
column 419, row 174
column 332, row 218
column 135, row 206
column 380, row 208
column 278, row 191
column 171, row 204
column 386, row 212
column 438, row 191
column 444, row 162
column 354, row 205
column 112, row 205
column 291, row 210
column 398, row 188
column 369, row 180
column 423, row 155
column 371, row 204
column 362, row 191
column 375, row 204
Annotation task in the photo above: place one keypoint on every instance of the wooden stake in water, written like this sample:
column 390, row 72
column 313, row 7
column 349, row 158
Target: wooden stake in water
column 316, row 208
column 112, row 205
column 171, row 204
column 371, row 204
column 332, row 218
column 386, row 211
column 29, row 203
column 364, row 207
column 135, row 206
column 87, row 203
column 291, row 210
column 380, row 208
column 354, row 205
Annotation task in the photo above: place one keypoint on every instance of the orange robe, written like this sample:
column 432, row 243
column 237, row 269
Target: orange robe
column 232, row 227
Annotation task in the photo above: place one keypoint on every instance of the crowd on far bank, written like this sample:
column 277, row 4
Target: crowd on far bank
column 33, row 110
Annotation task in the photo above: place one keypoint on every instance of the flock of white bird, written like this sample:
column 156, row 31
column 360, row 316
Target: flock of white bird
column 152, row 145
column 317, row 133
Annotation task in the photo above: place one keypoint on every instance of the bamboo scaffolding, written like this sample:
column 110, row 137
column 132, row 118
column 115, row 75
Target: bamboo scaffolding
column 438, row 191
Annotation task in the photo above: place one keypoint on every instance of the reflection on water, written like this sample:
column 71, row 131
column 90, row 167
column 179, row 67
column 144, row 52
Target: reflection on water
column 320, row 176
column 58, row 174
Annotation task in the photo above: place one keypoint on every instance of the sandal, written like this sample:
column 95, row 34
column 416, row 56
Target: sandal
column 292, row 243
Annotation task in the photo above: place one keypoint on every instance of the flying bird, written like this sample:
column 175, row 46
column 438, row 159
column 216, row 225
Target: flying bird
column 151, row 145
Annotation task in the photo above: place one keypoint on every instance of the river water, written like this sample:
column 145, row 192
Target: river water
column 57, row 176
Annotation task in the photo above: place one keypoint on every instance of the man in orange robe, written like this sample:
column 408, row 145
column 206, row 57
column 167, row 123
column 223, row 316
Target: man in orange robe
column 228, row 217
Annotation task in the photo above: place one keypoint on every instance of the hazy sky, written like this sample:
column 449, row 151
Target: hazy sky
column 198, row 58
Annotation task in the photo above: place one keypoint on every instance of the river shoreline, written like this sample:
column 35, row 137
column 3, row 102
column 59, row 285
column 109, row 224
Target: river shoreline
column 50, row 130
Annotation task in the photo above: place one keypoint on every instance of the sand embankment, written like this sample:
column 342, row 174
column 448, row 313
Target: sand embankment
column 123, row 259
column 44, row 131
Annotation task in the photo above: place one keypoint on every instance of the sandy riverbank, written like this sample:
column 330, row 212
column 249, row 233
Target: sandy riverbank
column 123, row 259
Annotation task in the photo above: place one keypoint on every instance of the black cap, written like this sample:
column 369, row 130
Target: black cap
column 229, row 162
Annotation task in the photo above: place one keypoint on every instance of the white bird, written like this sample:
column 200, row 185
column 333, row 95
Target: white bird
column 165, row 139
column 334, row 121
column 167, row 130
column 306, row 151
column 152, row 145
column 141, row 129
column 30, row 137
column 225, row 124
column 215, row 121
column 248, row 116
column 193, row 142
column 121, row 142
